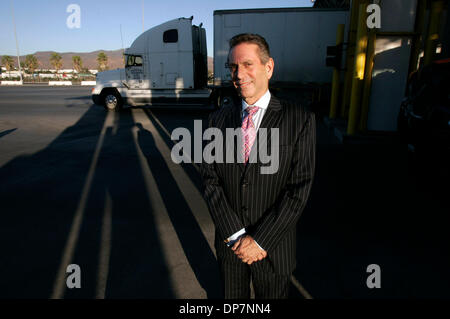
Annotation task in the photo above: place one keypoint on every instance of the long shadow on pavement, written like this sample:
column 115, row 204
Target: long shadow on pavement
column 6, row 132
column 180, row 119
column 38, row 196
column 135, row 265
column 194, row 244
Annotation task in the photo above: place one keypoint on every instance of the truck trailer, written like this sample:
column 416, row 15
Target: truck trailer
column 167, row 64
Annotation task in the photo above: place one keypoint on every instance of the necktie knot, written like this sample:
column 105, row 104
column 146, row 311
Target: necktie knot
column 251, row 110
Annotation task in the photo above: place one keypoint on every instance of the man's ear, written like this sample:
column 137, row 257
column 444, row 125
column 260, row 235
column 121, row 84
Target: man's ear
column 269, row 67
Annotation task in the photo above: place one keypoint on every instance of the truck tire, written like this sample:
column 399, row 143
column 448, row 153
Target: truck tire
column 226, row 100
column 112, row 100
column 221, row 98
column 214, row 99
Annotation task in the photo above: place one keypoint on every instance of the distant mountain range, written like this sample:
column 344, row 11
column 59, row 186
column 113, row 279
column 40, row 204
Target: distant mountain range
column 89, row 59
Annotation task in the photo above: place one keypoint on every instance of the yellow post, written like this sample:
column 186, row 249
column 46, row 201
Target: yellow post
column 336, row 77
column 418, row 29
column 358, row 73
column 367, row 79
column 433, row 31
column 351, row 39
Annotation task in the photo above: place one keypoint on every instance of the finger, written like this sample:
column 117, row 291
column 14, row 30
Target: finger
column 240, row 249
column 246, row 242
column 241, row 256
column 255, row 259
column 244, row 256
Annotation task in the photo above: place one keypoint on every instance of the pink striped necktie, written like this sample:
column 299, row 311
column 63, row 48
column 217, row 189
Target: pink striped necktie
column 248, row 131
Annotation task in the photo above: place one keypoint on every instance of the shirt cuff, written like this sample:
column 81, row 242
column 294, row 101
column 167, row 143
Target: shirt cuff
column 233, row 238
column 258, row 245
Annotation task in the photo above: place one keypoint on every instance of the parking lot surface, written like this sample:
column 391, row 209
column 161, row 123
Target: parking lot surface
column 99, row 189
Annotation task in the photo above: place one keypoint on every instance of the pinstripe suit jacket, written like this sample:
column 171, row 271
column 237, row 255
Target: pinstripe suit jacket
column 267, row 205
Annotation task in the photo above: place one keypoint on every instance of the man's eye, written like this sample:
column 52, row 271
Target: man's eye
column 231, row 67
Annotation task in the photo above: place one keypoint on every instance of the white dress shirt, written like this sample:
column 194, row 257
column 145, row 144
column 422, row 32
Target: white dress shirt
column 262, row 105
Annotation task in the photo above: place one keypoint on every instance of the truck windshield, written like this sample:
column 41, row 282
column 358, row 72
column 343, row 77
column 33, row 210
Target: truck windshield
column 134, row 60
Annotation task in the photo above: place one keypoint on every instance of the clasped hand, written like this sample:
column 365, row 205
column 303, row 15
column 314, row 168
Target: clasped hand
column 247, row 250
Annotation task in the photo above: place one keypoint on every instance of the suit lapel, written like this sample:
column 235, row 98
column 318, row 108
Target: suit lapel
column 235, row 121
column 236, row 114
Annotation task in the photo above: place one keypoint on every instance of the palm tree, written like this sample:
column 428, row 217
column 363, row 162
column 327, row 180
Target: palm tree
column 102, row 60
column 55, row 60
column 77, row 63
column 31, row 63
column 8, row 62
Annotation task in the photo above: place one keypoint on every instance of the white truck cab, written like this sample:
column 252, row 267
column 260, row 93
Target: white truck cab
column 165, row 64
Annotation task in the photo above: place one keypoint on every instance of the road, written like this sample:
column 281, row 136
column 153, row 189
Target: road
column 83, row 186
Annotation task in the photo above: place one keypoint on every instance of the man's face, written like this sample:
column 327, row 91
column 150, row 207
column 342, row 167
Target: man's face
column 249, row 74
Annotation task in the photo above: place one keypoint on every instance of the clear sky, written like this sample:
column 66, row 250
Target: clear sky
column 41, row 24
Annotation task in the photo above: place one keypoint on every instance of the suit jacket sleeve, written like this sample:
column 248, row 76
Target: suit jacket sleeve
column 225, row 218
column 283, row 216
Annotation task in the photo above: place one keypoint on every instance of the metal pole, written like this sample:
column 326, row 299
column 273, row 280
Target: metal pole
column 123, row 51
column 367, row 82
column 433, row 31
column 421, row 10
column 17, row 43
column 358, row 73
column 336, row 77
column 351, row 39
column 143, row 29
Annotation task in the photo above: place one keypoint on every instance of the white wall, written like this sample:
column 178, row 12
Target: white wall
column 298, row 40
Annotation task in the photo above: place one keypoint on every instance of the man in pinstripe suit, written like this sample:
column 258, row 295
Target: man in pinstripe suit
column 255, row 214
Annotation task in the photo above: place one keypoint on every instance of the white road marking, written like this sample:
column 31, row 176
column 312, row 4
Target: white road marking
column 190, row 192
column 182, row 278
column 300, row 288
column 170, row 136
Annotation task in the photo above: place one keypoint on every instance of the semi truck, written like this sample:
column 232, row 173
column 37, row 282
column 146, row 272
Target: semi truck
column 167, row 64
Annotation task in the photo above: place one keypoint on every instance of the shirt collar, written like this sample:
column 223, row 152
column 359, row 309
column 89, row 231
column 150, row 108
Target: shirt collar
column 262, row 103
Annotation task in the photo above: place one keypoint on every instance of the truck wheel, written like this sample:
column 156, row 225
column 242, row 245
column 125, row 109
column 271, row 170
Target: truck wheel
column 214, row 99
column 222, row 101
column 221, row 98
column 112, row 101
column 226, row 100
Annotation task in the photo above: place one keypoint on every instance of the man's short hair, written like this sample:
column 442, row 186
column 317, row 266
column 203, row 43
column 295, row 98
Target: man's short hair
column 264, row 51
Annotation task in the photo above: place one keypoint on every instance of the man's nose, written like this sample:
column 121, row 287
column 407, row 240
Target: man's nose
column 239, row 73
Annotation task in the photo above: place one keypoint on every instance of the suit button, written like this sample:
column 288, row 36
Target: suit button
column 244, row 209
column 245, row 184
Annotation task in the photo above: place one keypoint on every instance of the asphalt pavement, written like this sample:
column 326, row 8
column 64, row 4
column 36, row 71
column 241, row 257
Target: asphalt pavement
column 98, row 189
